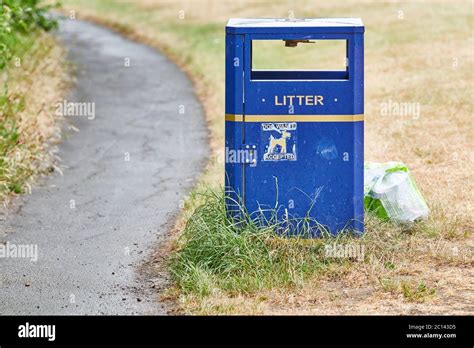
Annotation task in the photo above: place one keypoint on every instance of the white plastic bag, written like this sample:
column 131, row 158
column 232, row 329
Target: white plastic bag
column 391, row 192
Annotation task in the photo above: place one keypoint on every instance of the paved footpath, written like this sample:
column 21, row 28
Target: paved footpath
column 125, row 172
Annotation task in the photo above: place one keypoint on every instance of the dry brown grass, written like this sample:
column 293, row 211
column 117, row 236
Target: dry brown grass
column 417, row 52
column 41, row 79
column 423, row 270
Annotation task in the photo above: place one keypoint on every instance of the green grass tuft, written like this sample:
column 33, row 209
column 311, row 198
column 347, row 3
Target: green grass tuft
column 217, row 254
column 21, row 23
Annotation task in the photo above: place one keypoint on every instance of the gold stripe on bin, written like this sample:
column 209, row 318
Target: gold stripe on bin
column 295, row 118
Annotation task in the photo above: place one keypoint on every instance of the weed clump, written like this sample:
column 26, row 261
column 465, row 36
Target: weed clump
column 216, row 253
column 22, row 142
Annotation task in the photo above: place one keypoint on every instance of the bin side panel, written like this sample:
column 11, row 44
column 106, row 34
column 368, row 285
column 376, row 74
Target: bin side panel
column 234, row 69
column 357, row 58
column 358, row 162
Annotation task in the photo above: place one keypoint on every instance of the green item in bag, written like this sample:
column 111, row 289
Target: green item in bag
column 391, row 193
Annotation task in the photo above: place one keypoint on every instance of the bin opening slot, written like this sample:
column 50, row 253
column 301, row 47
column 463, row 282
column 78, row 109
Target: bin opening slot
column 291, row 59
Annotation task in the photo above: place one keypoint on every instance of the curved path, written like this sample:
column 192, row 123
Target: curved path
column 126, row 171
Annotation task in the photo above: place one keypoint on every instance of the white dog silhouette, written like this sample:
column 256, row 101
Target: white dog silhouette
column 280, row 141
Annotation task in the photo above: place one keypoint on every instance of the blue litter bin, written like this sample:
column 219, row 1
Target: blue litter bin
column 295, row 139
